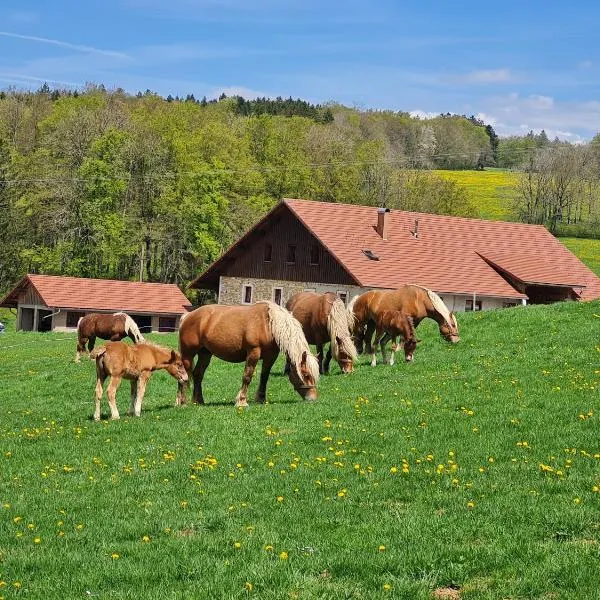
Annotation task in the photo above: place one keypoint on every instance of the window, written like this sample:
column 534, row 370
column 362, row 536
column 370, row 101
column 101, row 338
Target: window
column 469, row 304
column 166, row 324
column 508, row 304
column 314, row 254
column 277, row 295
column 343, row 296
column 268, row 252
column 73, row 317
column 247, row 294
column 370, row 254
column 310, row 289
column 291, row 254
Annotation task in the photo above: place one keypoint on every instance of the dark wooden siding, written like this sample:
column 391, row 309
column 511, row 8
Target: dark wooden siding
column 281, row 231
column 30, row 296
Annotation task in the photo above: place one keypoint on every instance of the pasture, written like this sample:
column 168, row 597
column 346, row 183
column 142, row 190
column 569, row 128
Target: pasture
column 474, row 472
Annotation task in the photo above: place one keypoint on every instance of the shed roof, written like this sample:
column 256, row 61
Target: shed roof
column 102, row 294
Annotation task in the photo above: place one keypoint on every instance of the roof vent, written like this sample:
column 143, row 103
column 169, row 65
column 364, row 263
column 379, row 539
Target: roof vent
column 370, row 254
column 415, row 232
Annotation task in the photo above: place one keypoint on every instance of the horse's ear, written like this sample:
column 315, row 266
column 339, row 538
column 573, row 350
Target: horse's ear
column 304, row 357
column 338, row 340
column 173, row 356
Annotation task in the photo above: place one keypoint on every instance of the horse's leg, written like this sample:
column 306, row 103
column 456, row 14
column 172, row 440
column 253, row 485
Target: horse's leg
column 327, row 361
column 141, row 390
column 369, row 336
column 267, row 363
column 393, row 350
column 320, row 357
column 383, row 342
column 81, row 342
column 100, row 377
column 204, row 357
column 134, row 387
column 373, row 351
column 287, row 368
column 113, row 386
column 91, row 342
column 251, row 359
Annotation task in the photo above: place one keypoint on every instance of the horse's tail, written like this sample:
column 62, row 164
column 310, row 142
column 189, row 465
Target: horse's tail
column 131, row 328
column 79, row 323
column 288, row 335
column 339, row 330
column 350, row 316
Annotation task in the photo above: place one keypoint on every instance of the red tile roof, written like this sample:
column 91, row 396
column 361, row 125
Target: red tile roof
column 447, row 254
column 104, row 294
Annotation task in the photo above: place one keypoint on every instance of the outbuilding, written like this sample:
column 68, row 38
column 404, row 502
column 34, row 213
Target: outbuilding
column 56, row 303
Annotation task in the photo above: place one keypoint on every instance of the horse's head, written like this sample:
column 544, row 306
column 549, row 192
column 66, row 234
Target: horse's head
column 304, row 376
column 401, row 324
column 449, row 331
column 345, row 354
column 175, row 367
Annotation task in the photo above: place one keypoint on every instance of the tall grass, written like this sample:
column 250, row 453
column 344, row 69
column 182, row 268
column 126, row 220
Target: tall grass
column 476, row 468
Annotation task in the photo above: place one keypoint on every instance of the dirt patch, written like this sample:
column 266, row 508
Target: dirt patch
column 446, row 593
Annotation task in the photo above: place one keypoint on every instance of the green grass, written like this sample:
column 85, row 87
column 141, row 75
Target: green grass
column 588, row 251
column 492, row 191
column 322, row 482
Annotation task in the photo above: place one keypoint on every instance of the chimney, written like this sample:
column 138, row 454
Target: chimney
column 382, row 222
column 415, row 231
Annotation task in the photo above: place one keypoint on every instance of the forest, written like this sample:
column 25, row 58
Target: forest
column 101, row 183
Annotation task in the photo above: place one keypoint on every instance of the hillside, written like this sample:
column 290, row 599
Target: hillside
column 475, row 468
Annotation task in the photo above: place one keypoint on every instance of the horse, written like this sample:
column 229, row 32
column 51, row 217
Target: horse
column 136, row 363
column 393, row 324
column 323, row 319
column 246, row 334
column 413, row 300
column 113, row 327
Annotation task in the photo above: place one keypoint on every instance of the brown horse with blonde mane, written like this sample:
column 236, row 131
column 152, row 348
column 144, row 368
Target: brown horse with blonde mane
column 414, row 301
column 324, row 320
column 119, row 360
column 394, row 324
column 246, row 334
column 113, row 327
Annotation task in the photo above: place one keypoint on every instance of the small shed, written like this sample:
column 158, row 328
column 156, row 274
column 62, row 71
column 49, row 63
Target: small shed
column 56, row 303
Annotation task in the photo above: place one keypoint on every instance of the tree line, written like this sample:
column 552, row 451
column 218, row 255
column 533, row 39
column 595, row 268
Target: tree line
column 100, row 183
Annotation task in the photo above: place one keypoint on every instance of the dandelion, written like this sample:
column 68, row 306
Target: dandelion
column 283, row 555
column 279, row 498
column 115, row 556
column 387, row 587
column 146, row 538
column 381, row 548
column 237, row 545
column 268, row 548
column 37, row 540
column 577, row 500
column 79, row 526
column 471, row 505
column 248, row 586
column 394, row 470
column 17, row 519
column 17, row 585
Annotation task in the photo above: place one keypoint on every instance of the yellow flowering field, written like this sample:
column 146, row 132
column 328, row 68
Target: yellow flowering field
column 474, row 471
column 492, row 191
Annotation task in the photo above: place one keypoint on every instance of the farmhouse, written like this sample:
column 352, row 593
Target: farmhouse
column 472, row 264
column 52, row 303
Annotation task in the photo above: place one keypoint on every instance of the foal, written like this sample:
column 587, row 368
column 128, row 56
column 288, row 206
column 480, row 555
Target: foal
column 122, row 361
column 393, row 324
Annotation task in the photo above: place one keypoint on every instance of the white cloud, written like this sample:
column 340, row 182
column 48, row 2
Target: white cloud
column 538, row 102
column 486, row 76
column 78, row 47
column 422, row 114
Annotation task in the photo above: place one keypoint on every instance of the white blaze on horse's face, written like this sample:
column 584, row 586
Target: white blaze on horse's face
column 303, row 382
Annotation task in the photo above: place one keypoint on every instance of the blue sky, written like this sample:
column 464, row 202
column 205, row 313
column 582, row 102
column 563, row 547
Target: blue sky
column 518, row 65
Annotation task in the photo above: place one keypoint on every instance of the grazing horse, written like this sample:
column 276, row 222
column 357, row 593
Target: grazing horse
column 393, row 324
column 122, row 361
column 324, row 320
column 413, row 300
column 246, row 334
column 113, row 327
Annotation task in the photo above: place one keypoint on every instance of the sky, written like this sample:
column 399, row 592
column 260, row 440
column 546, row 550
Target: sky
column 519, row 66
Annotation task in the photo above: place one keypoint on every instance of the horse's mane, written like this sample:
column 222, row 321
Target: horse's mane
column 289, row 336
column 131, row 327
column 440, row 307
column 338, row 327
column 350, row 313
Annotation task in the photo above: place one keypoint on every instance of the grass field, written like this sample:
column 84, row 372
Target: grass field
column 475, row 470
column 588, row 251
column 492, row 191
